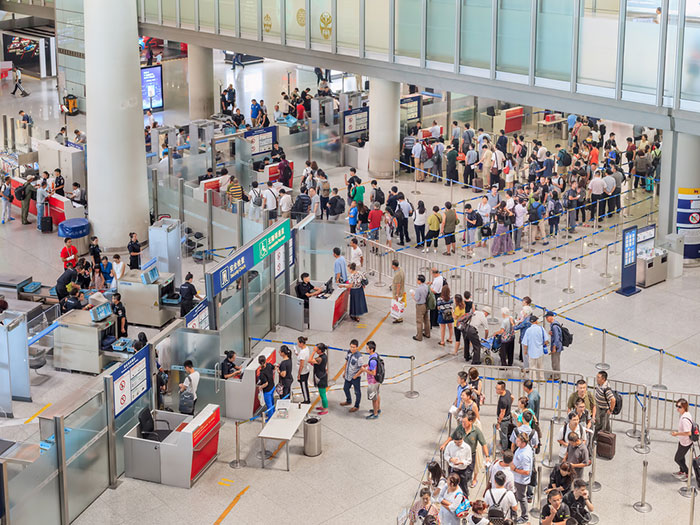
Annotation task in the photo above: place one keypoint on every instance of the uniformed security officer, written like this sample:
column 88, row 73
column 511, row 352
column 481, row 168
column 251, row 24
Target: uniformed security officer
column 72, row 302
column 70, row 275
column 229, row 367
column 120, row 311
column 134, row 252
column 187, row 294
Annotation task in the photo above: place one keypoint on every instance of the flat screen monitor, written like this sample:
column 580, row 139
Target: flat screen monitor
column 150, row 276
column 329, row 286
column 491, row 111
column 101, row 312
column 152, row 88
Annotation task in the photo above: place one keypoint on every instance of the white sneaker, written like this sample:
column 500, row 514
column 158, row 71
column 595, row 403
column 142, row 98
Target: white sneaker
column 435, row 250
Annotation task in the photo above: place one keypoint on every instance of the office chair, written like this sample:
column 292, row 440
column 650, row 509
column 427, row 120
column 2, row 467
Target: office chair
column 147, row 426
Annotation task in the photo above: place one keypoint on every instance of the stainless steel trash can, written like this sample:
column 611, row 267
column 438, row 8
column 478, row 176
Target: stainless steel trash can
column 312, row 436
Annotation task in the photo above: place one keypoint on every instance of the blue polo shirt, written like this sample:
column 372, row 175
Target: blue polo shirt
column 571, row 121
column 254, row 110
column 340, row 267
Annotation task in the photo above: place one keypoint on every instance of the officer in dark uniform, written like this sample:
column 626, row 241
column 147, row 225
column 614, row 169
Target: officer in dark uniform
column 73, row 301
column 134, row 252
column 120, row 311
column 187, row 294
column 59, row 183
column 70, row 275
column 228, row 366
column 84, row 276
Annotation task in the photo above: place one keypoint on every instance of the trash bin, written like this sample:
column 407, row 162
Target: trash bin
column 79, row 231
column 312, row 436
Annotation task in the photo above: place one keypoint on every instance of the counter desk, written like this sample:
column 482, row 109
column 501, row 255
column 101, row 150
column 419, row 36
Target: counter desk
column 60, row 208
column 325, row 313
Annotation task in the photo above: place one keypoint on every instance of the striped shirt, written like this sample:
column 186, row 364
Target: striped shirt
column 603, row 396
column 234, row 191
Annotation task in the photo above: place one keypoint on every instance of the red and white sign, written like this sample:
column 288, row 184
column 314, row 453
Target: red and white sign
column 694, row 218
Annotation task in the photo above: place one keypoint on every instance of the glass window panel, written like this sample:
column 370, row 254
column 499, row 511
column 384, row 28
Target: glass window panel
column 440, row 44
column 377, row 26
column 476, row 33
column 513, row 36
column 169, row 12
column 641, row 53
column 296, row 20
column 187, row 13
column 597, row 43
column 671, row 49
column 321, row 21
column 151, row 10
column 408, row 28
column 227, row 16
column 206, row 15
column 554, row 35
column 349, row 23
column 271, row 18
column 249, row 18
column 690, row 80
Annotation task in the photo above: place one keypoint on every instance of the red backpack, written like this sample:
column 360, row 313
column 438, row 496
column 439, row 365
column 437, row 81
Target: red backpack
column 429, row 151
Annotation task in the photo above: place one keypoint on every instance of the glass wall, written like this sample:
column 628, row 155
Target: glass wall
column 206, row 15
column 151, row 11
column 170, row 12
column 296, row 22
column 249, row 18
column 187, row 14
column 597, row 43
column 227, row 17
column 271, row 19
column 440, row 41
column 690, row 83
column 642, row 37
column 554, row 36
column 348, row 24
column 671, row 49
column 408, row 28
column 513, row 36
column 475, row 43
column 377, row 28
column 322, row 23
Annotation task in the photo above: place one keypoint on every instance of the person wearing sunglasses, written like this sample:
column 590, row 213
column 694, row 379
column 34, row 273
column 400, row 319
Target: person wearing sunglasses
column 685, row 425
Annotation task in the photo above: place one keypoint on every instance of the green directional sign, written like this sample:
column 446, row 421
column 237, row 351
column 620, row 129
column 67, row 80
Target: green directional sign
column 271, row 242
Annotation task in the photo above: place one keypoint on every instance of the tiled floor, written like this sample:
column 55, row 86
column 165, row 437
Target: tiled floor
column 369, row 471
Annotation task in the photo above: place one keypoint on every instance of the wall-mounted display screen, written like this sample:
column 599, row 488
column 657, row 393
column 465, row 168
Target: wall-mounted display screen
column 152, row 87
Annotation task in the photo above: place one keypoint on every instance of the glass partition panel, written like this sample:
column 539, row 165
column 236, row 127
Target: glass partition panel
column 475, row 44
column 554, row 36
column 597, row 43
column 227, row 17
column 259, row 299
column 151, row 9
column 408, row 28
column 33, row 488
column 326, row 146
column 169, row 12
column 224, row 228
column 196, row 214
column 440, row 45
column 690, row 81
column 322, row 23
column 296, row 21
column 206, row 15
column 87, row 457
column 641, row 51
column 271, row 18
column 348, row 24
column 296, row 148
column 124, row 422
column 513, row 36
column 671, row 49
column 377, row 27
column 249, row 19
column 187, row 14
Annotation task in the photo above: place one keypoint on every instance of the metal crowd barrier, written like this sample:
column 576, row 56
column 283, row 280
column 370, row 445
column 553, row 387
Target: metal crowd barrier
column 662, row 413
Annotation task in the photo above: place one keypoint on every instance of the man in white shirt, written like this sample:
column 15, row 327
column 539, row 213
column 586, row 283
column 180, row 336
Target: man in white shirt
column 270, row 202
column 479, row 330
column 356, row 255
column 520, row 211
column 534, row 342
column 499, row 496
column 285, row 204
column 522, row 466
column 191, row 382
column 503, row 466
column 458, row 455
column 541, row 153
column 415, row 153
column 435, row 130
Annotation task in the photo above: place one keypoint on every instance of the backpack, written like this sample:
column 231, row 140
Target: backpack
column 257, row 198
column 430, row 301
column 286, row 175
column 301, row 205
column 694, row 431
column 462, row 510
column 565, row 158
column 380, row 371
column 186, row 405
column 30, row 120
column 618, row 402
column 339, row 207
column 479, row 220
column 379, row 196
column 496, row 515
column 523, row 151
column 428, row 151
column 566, row 336
column 399, row 214
column 20, row 193
column 533, row 213
column 558, row 208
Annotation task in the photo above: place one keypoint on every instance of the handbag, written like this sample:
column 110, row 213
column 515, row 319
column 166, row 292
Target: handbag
column 279, row 390
column 486, row 231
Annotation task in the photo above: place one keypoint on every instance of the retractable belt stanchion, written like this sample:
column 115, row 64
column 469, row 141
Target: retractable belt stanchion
column 642, row 447
column 660, row 385
column 238, row 462
column 596, row 218
column 536, row 510
column 529, row 248
column 415, row 182
column 556, row 248
column 489, row 244
column 569, row 289
column 605, row 274
column 549, row 461
column 520, row 269
column 603, row 365
column 263, row 451
column 687, row 491
column 558, row 418
column 541, row 279
column 412, row 394
column 581, row 265
column 642, row 505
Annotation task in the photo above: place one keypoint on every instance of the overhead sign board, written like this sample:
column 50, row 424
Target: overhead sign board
column 412, row 105
column 131, row 380
column 355, row 120
column 261, row 139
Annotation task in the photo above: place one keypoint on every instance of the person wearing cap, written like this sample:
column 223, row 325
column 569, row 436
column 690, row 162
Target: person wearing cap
column 556, row 345
column 477, row 330
column 535, row 342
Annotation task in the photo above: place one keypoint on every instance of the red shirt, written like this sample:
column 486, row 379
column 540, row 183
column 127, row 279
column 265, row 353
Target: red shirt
column 375, row 219
column 67, row 252
column 595, row 154
column 300, row 111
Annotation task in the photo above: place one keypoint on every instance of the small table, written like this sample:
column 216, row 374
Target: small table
column 283, row 429
column 547, row 123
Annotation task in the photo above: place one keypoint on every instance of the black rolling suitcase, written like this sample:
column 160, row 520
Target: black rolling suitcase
column 46, row 225
column 606, row 445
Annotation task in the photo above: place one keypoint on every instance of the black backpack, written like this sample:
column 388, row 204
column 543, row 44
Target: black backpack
column 379, row 196
column 565, row 158
column 339, row 207
column 20, row 193
column 566, row 336
column 381, row 371
column 523, row 151
column 618, row 402
column 533, row 213
column 479, row 220
column 496, row 515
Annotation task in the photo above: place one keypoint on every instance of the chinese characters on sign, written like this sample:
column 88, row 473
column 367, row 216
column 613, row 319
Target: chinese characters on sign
column 356, row 120
column 261, row 140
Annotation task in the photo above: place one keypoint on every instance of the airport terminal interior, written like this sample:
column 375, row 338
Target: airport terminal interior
column 350, row 261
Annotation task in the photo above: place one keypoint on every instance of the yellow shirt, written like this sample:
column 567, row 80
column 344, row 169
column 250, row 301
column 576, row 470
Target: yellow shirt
column 458, row 312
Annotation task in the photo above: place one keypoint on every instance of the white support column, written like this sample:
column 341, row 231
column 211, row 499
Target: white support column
column 679, row 162
column 117, row 184
column 200, row 77
column 384, row 101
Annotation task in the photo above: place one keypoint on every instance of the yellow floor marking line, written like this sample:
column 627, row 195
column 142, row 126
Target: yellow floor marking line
column 39, row 412
column 230, row 506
